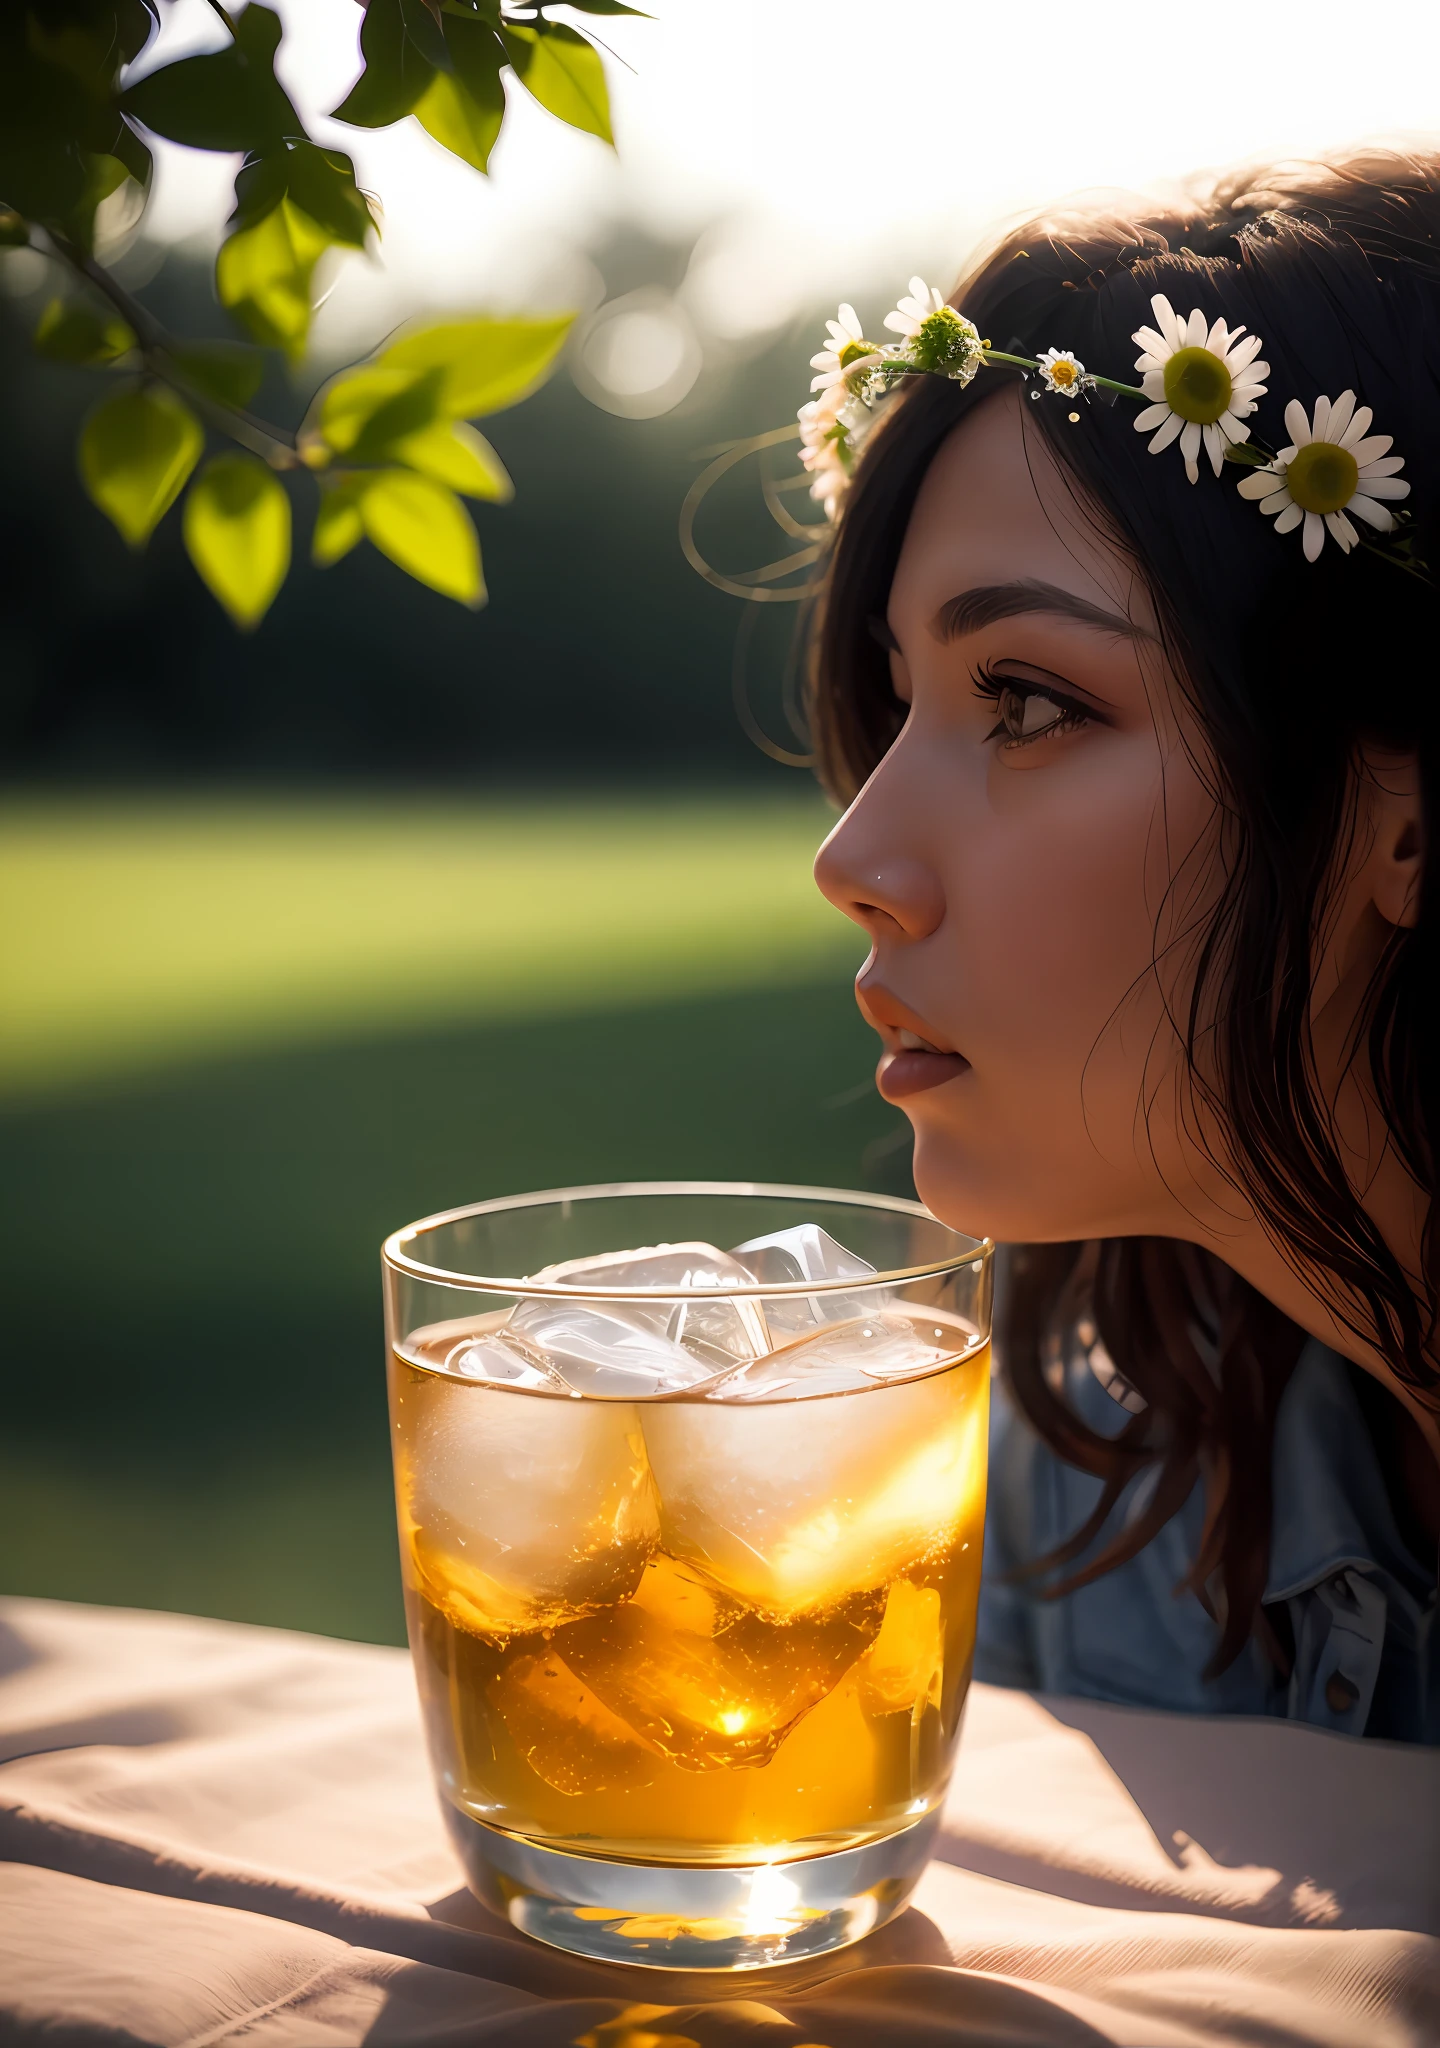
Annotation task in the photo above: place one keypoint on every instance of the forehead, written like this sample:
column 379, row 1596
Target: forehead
column 997, row 506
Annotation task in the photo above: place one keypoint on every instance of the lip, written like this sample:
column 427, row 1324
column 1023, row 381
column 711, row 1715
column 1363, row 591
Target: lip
column 901, row 1074
column 906, row 1067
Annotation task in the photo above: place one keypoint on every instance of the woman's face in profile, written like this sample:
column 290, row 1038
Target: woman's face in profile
column 1038, row 830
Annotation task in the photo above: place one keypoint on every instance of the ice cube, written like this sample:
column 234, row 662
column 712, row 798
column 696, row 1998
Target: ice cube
column 505, row 1361
column 567, row 1735
column 716, row 1332
column 904, row 1666
column 607, row 1349
column 523, row 1512
column 681, row 1266
column 704, row 1679
column 792, row 1505
column 840, row 1359
column 804, row 1252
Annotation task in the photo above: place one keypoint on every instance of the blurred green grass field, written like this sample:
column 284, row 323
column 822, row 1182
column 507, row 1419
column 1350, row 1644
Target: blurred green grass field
column 240, row 1042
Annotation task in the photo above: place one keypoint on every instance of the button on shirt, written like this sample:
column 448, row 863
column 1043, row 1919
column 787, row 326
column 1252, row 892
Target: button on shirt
column 1361, row 1607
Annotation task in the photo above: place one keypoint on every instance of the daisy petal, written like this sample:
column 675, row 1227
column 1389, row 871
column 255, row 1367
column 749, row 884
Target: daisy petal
column 1373, row 515
column 1386, row 487
column 1231, row 428
column 1341, row 531
column 1371, row 448
column 849, row 322
column 1153, row 384
column 1387, row 465
column 1260, row 484
column 1218, row 339
column 1289, row 519
column 1314, row 537
column 1244, row 353
column 1153, row 344
column 1297, row 426
column 1196, row 329
column 1215, row 445
column 1341, row 414
column 1320, row 425
column 1358, row 427
column 1168, row 321
column 1167, row 433
column 1151, row 363
column 1151, row 417
column 1190, row 449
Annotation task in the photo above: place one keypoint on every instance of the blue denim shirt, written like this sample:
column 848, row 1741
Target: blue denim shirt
column 1361, row 1607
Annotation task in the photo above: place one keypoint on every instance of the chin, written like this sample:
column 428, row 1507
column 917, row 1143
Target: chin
column 962, row 1192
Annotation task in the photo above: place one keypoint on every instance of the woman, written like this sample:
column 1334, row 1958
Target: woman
column 1141, row 797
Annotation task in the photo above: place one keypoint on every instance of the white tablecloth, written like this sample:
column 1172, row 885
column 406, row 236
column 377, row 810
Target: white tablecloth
column 217, row 1834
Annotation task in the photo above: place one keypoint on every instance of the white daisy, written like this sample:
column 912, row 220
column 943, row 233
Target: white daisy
column 1062, row 372
column 846, row 346
column 825, row 447
column 1333, row 470
column 912, row 312
column 1205, row 381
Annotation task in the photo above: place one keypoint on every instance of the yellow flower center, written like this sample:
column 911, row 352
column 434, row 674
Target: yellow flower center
column 1322, row 477
column 1197, row 385
column 1062, row 374
column 855, row 352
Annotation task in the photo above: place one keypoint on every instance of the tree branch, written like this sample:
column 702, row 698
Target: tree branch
column 157, row 348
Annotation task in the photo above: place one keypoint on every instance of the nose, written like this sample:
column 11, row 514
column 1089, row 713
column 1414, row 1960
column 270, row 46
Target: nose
column 887, row 891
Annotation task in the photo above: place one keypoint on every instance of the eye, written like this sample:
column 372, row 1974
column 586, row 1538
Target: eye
column 1028, row 711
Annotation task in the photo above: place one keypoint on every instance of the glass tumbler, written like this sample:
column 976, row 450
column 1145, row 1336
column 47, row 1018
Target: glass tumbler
column 691, row 1489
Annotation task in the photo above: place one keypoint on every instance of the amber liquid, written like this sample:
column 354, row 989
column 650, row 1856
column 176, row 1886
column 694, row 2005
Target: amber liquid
column 688, row 1631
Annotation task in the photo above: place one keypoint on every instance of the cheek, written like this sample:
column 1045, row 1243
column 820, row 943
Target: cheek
column 1057, row 917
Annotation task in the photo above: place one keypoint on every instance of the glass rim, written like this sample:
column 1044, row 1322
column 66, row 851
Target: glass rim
column 394, row 1254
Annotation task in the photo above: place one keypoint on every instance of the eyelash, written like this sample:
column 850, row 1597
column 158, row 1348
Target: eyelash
column 995, row 689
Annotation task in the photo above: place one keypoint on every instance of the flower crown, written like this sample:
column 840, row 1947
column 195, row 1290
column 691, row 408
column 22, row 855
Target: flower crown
column 1200, row 381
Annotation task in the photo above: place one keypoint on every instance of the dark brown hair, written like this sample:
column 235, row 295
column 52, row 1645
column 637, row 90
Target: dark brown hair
column 1291, row 669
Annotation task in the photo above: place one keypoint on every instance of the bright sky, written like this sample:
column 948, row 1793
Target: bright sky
column 829, row 143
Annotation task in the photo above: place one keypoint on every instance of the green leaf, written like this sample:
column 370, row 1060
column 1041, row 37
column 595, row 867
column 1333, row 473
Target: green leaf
column 76, row 334
column 227, row 370
column 338, row 525
column 263, row 274
column 1246, row 454
column 395, row 74
column 453, row 454
column 228, row 100
column 425, row 531
column 322, row 184
column 424, row 31
column 458, row 121
column 606, row 7
column 486, row 364
column 428, row 378
column 237, row 530
column 136, row 450
column 563, row 72
column 361, row 413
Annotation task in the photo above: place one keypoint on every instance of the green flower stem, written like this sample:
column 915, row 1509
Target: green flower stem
column 998, row 355
column 1397, row 561
column 1125, row 390
column 271, row 444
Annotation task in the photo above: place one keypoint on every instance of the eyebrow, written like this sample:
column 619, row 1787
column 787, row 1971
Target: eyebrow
column 972, row 609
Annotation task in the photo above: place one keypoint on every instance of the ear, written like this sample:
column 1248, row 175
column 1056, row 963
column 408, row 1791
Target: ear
column 1396, row 859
